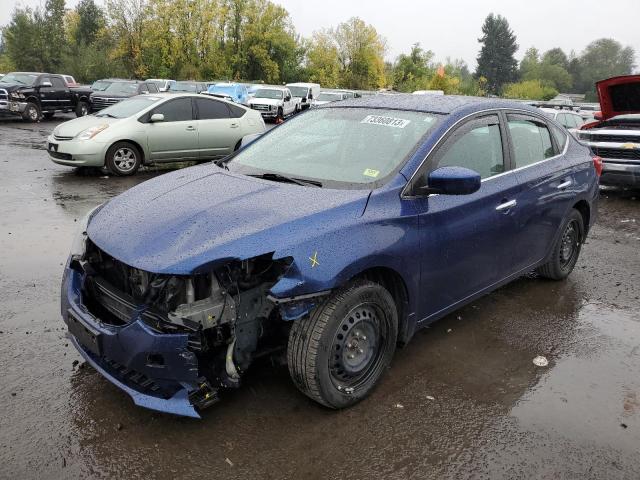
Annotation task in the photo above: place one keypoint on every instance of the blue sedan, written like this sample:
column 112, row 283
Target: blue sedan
column 333, row 237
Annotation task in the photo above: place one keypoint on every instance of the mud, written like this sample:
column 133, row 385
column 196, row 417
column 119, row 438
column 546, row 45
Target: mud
column 463, row 400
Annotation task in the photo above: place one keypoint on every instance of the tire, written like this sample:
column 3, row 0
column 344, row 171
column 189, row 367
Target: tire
column 280, row 113
column 82, row 109
column 123, row 159
column 330, row 359
column 31, row 113
column 566, row 249
column 48, row 115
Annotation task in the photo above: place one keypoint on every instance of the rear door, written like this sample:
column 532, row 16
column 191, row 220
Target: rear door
column 176, row 138
column 217, row 131
column 466, row 240
column 548, row 184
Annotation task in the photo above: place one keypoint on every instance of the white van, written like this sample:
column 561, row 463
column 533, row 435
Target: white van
column 306, row 92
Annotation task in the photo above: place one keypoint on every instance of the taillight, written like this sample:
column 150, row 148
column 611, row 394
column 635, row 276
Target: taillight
column 597, row 163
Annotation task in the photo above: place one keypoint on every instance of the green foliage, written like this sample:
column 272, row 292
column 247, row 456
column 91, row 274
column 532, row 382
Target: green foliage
column 496, row 61
column 529, row 90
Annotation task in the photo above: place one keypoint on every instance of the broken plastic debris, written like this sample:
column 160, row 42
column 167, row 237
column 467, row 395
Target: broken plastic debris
column 228, row 461
column 399, row 405
column 448, row 330
column 540, row 361
column 429, row 397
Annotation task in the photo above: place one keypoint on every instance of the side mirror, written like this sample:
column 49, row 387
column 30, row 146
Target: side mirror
column 46, row 84
column 287, row 98
column 597, row 115
column 157, row 117
column 310, row 96
column 304, row 99
column 452, row 181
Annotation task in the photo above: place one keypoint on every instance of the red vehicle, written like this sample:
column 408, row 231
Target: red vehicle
column 615, row 136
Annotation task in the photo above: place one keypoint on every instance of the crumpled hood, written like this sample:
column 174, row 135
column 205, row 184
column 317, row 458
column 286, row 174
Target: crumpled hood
column 77, row 125
column 183, row 220
column 619, row 95
column 12, row 87
column 265, row 101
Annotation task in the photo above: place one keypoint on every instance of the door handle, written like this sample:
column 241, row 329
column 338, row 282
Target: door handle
column 234, row 125
column 506, row 205
column 191, row 128
column 564, row 185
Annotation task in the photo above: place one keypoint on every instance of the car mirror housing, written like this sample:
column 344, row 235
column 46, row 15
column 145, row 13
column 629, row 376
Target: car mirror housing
column 46, row 84
column 157, row 117
column 452, row 181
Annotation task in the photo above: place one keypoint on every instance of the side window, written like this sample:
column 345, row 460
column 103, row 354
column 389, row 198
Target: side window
column 476, row 145
column 151, row 88
column 236, row 112
column 44, row 80
column 178, row 110
column 58, row 83
column 578, row 120
column 560, row 137
column 530, row 138
column 563, row 120
column 211, row 109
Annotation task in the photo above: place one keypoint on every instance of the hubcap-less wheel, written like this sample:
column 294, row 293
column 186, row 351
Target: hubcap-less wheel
column 356, row 349
column 33, row 113
column 124, row 159
column 569, row 246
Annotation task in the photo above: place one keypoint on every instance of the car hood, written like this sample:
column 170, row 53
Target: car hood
column 619, row 95
column 12, row 87
column 112, row 95
column 77, row 125
column 265, row 101
column 184, row 220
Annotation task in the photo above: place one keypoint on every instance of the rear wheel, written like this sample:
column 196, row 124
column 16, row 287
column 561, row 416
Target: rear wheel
column 82, row 109
column 280, row 114
column 31, row 113
column 123, row 158
column 337, row 355
column 566, row 250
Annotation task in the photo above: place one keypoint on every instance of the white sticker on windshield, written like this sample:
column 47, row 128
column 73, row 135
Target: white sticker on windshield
column 386, row 121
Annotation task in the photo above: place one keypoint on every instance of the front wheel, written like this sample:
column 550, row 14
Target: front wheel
column 82, row 109
column 566, row 249
column 123, row 159
column 31, row 113
column 337, row 355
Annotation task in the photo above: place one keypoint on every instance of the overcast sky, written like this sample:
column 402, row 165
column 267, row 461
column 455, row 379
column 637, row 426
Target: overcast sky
column 451, row 28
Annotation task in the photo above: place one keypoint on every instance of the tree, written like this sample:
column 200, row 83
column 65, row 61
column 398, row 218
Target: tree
column 556, row 56
column 128, row 21
column 602, row 59
column 529, row 90
column 496, row 61
column 323, row 60
column 412, row 71
column 90, row 21
column 52, row 34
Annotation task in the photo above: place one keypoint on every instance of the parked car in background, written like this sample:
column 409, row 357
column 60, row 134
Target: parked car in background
column 306, row 92
column 188, row 86
column 235, row 92
column 154, row 128
column 70, row 81
column 33, row 95
column 615, row 136
column 162, row 83
column 119, row 90
column 569, row 119
column 252, row 89
column 395, row 215
column 102, row 84
column 329, row 97
column 274, row 102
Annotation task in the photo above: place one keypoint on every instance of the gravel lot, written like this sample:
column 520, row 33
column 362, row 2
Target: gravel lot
column 463, row 400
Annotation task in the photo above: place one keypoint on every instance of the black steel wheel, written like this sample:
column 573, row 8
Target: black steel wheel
column 337, row 355
column 566, row 249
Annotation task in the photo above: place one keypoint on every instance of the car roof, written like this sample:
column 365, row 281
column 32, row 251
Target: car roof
column 444, row 104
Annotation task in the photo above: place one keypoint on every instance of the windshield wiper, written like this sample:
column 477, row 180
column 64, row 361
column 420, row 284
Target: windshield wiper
column 276, row 177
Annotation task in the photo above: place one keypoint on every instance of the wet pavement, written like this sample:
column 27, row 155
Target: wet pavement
column 462, row 400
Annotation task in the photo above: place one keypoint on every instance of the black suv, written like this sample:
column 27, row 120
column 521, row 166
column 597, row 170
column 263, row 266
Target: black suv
column 119, row 90
column 33, row 95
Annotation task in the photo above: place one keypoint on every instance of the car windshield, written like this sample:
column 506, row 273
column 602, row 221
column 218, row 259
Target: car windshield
column 338, row 147
column 159, row 83
column 100, row 85
column 268, row 93
column 122, row 88
column 184, row 87
column 128, row 107
column 329, row 97
column 20, row 78
column 299, row 91
column 228, row 89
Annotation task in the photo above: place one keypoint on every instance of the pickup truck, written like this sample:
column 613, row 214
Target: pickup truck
column 274, row 102
column 33, row 95
column 615, row 135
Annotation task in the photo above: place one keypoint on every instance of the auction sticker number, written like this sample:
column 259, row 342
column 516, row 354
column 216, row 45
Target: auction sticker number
column 386, row 121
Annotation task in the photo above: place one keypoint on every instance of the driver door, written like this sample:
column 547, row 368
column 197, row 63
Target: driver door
column 175, row 138
column 466, row 240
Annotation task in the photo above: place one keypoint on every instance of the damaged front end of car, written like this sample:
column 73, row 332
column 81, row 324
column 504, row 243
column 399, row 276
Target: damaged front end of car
column 172, row 342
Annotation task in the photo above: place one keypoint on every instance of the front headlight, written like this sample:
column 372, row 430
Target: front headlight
column 79, row 244
column 17, row 96
column 89, row 133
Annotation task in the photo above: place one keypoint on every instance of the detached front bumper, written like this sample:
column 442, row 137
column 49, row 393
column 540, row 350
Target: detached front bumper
column 157, row 370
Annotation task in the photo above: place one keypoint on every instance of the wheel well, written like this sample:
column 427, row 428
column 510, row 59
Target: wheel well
column 33, row 100
column 393, row 282
column 583, row 207
column 135, row 144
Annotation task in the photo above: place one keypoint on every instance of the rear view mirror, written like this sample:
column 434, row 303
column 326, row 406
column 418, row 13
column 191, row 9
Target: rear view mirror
column 157, row 117
column 452, row 181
